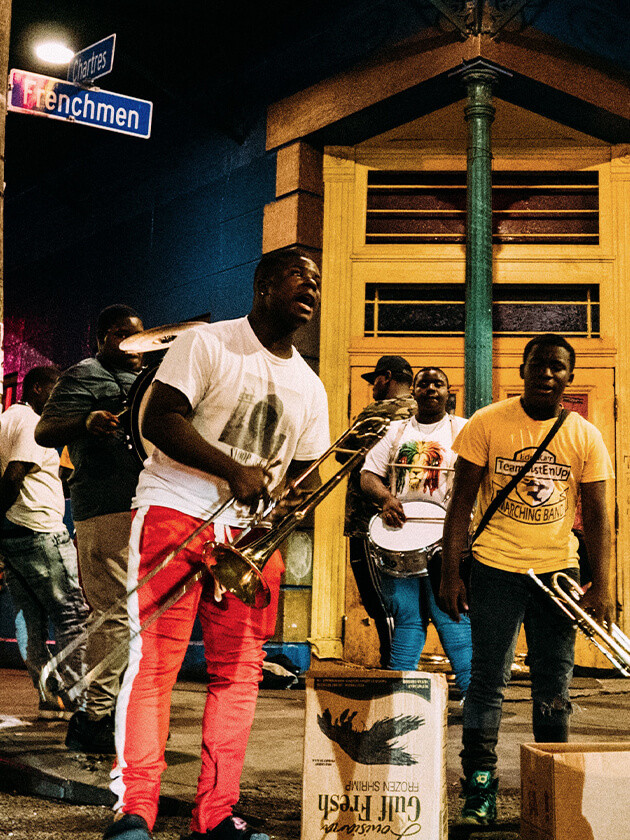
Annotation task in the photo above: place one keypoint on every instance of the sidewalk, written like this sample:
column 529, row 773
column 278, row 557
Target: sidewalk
column 34, row 760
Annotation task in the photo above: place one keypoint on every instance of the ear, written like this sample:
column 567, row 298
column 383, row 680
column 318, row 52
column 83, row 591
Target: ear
column 570, row 379
column 521, row 371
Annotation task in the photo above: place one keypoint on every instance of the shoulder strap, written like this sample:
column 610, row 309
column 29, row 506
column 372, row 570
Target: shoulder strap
column 505, row 492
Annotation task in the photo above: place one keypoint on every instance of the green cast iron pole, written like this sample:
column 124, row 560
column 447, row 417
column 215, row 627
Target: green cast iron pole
column 479, row 113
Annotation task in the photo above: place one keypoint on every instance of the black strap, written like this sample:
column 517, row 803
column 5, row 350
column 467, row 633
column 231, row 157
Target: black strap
column 505, row 492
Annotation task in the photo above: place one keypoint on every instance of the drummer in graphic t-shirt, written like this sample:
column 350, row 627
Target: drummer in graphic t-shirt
column 409, row 474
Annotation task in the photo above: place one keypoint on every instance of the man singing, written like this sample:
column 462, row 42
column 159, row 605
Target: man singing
column 234, row 412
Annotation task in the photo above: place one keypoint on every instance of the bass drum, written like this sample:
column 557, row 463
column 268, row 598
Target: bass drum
column 405, row 552
column 136, row 404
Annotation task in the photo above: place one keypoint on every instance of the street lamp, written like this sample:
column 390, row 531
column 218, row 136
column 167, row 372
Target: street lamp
column 53, row 52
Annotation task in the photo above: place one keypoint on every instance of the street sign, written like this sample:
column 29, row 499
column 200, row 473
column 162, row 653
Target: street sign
column 30, row 93
column 92, row 62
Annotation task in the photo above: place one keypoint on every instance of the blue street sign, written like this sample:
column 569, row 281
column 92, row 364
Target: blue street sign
column 30, row 93
column 92, row 62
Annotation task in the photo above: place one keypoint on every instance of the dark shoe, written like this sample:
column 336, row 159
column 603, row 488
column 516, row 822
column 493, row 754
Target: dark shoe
column 480, row 795
column 128, row 827
column 91, row 736
column 231, row 828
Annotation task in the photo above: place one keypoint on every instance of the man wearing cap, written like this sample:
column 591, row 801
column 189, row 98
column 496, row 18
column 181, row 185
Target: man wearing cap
column 391, row 389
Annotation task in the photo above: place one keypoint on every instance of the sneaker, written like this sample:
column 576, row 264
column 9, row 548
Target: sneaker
column 128, row 827
column 231, row 828
column 91, row 736
column 480, row 794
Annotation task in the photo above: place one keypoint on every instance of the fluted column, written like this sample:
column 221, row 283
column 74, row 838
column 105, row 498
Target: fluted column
column 479, row 113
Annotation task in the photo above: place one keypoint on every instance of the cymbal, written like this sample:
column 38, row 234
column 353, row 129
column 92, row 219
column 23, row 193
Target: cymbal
column 157, row 338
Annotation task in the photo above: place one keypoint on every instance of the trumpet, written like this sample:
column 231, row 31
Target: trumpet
column 613, row 643
column 238, row 567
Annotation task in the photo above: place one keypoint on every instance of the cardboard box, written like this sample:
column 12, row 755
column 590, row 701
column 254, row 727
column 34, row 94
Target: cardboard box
column 575, row 791
column 374, row 755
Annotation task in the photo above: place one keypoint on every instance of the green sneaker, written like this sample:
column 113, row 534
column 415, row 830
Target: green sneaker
column 480, row 795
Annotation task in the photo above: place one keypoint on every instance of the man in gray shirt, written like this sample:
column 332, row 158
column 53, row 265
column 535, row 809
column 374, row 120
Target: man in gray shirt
column 82, row 414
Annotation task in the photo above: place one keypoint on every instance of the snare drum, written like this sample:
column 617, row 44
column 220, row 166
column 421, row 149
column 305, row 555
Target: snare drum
column 405, row 552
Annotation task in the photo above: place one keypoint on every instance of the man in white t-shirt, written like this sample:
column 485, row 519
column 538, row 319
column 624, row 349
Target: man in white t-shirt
column 40, row 558
column 234, row 413
column 413, row 462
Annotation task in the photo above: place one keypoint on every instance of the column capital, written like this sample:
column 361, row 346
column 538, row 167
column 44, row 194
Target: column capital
column 479, row 70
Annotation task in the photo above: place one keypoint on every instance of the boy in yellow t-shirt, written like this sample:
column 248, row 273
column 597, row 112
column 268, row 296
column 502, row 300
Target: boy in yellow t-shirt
column 531, row 529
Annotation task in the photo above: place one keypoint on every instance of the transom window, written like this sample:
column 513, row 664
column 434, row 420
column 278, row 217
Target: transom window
column 517, row 309
column 543, row 208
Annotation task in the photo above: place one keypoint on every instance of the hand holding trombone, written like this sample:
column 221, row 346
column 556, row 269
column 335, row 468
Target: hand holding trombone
column 238, row 567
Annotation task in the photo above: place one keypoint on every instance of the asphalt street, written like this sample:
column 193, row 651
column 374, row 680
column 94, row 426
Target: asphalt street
column 47, row 793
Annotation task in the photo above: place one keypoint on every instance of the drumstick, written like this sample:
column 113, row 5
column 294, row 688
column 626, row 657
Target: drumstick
column 421, row 467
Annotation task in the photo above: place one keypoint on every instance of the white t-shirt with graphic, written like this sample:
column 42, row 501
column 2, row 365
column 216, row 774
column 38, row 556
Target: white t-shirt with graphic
column 40, row 504
column 426, row 448
column 249, row 403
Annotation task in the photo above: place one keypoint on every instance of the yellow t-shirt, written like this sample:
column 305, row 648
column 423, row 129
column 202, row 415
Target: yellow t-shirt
column 532, row 527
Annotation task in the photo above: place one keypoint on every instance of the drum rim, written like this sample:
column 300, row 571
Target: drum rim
column 410, row 551
column 134, row 399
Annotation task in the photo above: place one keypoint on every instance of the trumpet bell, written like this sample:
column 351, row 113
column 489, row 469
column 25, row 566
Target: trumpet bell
column 237, row 574
column 565, row 593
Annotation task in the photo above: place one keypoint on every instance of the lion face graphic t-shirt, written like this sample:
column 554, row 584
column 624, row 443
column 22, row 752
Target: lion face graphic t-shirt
column 420, row 456
column 532, row 527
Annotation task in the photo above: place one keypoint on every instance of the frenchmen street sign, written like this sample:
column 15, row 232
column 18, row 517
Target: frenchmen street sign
column 30, row 93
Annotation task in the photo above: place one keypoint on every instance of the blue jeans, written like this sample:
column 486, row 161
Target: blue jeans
column 412, row 603
column 42, row 576
column 499, row 603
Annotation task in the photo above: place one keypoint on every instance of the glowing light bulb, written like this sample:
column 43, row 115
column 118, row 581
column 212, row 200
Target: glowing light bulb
column 53, row 52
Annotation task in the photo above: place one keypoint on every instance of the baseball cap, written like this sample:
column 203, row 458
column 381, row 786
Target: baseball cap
column 395, row 364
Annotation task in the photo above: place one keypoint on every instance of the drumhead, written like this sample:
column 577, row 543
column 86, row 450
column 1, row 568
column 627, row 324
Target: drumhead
column 137, row 400
column 418, row 532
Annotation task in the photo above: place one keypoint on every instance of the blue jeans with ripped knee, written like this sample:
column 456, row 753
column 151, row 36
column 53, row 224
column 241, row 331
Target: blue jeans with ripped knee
column 500, row 602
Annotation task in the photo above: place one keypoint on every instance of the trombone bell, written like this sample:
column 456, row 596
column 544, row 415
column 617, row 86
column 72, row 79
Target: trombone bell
column 237, row 573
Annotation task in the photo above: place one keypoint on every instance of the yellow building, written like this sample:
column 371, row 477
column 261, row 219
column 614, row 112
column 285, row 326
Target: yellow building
column 371, row 169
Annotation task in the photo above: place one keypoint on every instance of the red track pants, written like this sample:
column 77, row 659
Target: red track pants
column 233, row 636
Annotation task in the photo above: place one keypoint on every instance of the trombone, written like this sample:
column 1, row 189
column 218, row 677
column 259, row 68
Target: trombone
column 49, row 676
column 615, row 645
column 237, row 567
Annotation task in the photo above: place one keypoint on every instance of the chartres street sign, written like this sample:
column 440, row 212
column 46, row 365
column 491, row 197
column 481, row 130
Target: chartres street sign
column 30, row 93
column 92, row 62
